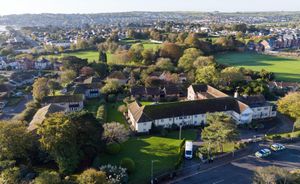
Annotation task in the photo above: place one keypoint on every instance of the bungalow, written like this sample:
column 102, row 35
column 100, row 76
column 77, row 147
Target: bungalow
column 88, row 90
column 119, row 77
column 3, row 64
column 285, row 86
column 71, row 103
column 21, row 78
column 42, row 114
column 185, row 112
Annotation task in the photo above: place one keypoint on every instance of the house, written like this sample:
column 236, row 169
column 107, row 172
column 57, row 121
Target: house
column 22, row 78
column 185, row 112
column 71, row 103
column 138, row 92
column 285, row 86
column 90, row 87
column 203, row 91
column 42, row 114
column 88, row 90
column 119, row 77
column 260, row 107
column 24, row 64
column 3, row 64
column 43, row 64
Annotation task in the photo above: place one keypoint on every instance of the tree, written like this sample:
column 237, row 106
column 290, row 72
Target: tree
column 40, row 89
column 74, row 63
column 129, row 164
column 221, row 129
column 48, row 177
column 165, row 64
column 203, row 61
column 10, row 176
column 273, row 174
column 92, row 176
column 68, row 76
column 188, row 58
column 99, row 68
column 111, row 86
column 87, row 71
column 15, row 141
column 102, row 56
column 61, row 145
column 53, row 85
column 148, row 56
column 135, row 52
column 192, row 40
column 170, row 50
column 115, row 133
column 207, row 75
column 101, row 113
column 290, row 105
column 230, row 75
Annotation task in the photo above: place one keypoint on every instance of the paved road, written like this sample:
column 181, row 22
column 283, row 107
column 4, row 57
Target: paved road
column 241, row 170
column 10, row 112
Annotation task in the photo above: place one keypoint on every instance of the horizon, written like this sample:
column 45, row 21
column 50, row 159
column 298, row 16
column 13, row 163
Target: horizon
column 121, row 6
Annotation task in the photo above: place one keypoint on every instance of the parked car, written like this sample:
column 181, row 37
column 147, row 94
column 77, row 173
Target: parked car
column 263, row 153
column 277, row 147
column 188, row 150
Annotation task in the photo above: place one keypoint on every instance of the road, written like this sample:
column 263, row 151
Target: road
column 241, row 170
column 10, row 112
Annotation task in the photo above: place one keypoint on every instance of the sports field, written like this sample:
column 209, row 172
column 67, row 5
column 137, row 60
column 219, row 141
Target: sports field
column 285, row 69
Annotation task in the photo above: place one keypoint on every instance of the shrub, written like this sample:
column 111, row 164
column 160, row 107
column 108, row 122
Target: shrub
column 113, row 148
column 101, row 113
column 115, row 174
column 48, row 177
column 10, row 175
column 129, row 164
column 275, row 137
column 92, row 176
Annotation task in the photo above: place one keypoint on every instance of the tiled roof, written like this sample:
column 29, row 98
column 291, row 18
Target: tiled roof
column 184, row 108
column 63, row 99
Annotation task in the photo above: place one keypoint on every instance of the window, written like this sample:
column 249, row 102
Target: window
column 195, row 116
column 258, row 109
column 170, row 119
column 266, row 108
column 144, row 124
column 162, row 120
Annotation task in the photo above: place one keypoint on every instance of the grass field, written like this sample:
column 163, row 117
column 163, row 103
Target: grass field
column 285, row 69
column 144, row 149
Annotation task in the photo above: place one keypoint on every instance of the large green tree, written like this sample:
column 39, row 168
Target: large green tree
column 208, row 75
column 15, row 141
column 290, row 105
column 58, row 138
column 40, row 88
column 189, row 56
column 221, row 129
column 74, row 63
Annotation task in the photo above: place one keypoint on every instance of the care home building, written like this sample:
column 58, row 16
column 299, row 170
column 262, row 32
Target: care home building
column 201, row 99
column 70, row 103
column 185, row 112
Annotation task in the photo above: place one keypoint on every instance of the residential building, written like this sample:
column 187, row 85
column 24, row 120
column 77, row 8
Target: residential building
column 42, row 64
column 185, row 112
column 202, row 91
column 71, row 103
column 119, row 77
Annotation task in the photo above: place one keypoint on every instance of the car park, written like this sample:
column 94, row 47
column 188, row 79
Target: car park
column 263, row 153
column 277, row 147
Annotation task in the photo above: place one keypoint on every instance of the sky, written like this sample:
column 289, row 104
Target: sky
column 99, row 6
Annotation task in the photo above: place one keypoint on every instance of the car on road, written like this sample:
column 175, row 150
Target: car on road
column 263, row 153
column 277, row 147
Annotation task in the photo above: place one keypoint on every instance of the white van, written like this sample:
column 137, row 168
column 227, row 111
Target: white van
column 188, row 150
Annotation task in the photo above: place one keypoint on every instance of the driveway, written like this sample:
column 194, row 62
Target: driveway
column 242, row 169
column 10, row 112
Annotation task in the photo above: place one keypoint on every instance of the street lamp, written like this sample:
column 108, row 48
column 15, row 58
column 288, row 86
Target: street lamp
column 152, row 163
column 180, row 127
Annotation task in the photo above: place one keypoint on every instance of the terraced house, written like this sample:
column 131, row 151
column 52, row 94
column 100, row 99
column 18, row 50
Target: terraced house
column 202, row 99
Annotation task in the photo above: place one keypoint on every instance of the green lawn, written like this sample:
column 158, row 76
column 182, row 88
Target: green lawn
column 286, row 69
column 92, row 105
column 90, row 55
column 143, row 150
column 113, row 114
column 189, row 134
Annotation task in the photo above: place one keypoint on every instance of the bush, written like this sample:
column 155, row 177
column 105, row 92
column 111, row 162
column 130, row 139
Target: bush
column 275, row 137
column 92, row 176
column 5, row 164
column 101, row 113
column 115, row 174
column 113, row 148
column 129, row 164
column 10, row 176
column 48, row 177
